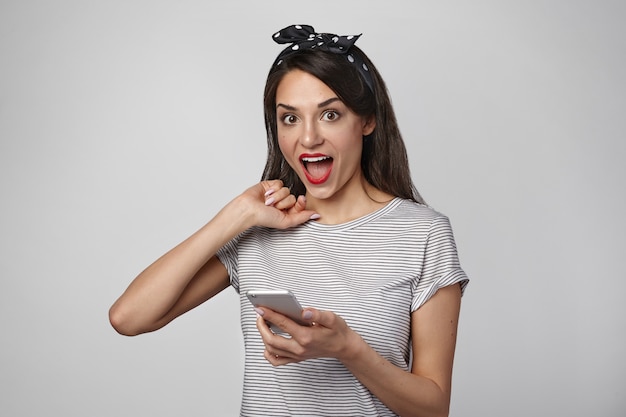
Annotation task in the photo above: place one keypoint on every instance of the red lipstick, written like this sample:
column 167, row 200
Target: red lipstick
column 317, row 167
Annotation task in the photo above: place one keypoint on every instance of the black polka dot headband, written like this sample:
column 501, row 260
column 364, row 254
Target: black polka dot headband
column 303, row 37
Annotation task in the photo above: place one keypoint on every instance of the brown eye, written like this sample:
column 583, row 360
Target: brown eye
column 330, row 115
column 289, row 119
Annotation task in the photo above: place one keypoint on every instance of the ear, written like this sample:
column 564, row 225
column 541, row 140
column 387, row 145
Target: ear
column 369, row 124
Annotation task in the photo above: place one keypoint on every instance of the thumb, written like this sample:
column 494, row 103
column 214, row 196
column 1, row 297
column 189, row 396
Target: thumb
column 296, row 218
column 314, row 316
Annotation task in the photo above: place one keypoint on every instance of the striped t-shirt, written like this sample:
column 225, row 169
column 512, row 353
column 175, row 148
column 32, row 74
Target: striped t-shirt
column 373, row 272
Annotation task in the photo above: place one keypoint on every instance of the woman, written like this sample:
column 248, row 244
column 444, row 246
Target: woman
column 376, row 268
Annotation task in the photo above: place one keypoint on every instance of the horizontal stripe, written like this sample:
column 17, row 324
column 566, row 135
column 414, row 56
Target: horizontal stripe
column 373, row 272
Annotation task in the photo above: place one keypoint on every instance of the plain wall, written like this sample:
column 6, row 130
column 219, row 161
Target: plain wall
column 126, row 125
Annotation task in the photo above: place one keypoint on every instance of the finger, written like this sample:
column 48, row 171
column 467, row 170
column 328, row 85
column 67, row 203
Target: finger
column 261, row 324
column 270, row 187
column 264, row 329
column 274, row 196
column 271, row 358
column 286, row 203
column 309, row 314
column 278, row 353
column 274, row 336
column 277, row 360
column 276, row 345
column 282, row 322
column 317, row 317
column 295, row 219
column 299, row 205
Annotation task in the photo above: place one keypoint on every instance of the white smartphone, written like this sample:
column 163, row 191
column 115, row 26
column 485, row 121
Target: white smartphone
column 281, row 301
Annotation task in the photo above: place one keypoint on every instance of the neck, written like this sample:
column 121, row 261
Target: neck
column 345, row 206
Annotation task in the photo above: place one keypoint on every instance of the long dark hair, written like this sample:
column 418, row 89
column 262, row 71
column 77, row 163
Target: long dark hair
column 384, row 159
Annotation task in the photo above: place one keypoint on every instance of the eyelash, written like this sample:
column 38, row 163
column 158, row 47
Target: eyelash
column 285, row 117
column 335, row 114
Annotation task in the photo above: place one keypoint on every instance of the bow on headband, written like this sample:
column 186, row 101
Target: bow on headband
column 304, row 37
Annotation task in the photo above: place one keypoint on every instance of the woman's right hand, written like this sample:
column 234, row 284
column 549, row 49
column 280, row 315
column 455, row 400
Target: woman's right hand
column 271, row 204
column 190, row 273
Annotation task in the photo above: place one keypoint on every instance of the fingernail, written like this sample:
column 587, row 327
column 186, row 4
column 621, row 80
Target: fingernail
column 269, row 201
column 307, row 314
column 269, row 192
column 259, row 311
column 314, row 216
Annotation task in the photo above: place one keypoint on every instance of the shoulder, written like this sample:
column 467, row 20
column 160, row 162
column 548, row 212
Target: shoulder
column 410, row 210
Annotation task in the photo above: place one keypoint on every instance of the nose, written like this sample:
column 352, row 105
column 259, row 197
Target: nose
column 311, row 136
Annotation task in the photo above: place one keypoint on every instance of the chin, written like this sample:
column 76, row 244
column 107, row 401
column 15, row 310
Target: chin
column 322, row 193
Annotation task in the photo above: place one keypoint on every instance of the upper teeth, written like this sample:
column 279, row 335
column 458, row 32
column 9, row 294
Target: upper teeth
column 314, row 159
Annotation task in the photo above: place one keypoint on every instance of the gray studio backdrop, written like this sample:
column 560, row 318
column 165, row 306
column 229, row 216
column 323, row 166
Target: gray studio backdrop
column 126, row 125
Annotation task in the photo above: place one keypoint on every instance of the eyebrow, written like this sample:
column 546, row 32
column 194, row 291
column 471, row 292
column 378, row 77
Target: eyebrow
column 319, row 106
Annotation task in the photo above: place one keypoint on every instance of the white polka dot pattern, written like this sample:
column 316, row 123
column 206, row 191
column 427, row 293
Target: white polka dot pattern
column 304, row 37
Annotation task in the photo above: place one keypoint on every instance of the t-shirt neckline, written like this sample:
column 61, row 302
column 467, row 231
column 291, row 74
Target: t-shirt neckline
column 312, row 224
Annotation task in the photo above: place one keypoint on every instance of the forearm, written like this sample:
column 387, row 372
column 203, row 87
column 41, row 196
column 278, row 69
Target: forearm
column 156, row 290
column 405, row 393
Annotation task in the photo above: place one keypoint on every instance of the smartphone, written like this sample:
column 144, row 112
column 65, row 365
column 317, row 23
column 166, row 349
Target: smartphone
column 281, row 301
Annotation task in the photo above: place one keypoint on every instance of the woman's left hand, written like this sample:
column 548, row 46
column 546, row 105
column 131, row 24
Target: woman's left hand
column 328, row 335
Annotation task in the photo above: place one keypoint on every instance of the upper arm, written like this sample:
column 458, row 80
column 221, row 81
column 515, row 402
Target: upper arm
column 433, row 332
column 210, row 280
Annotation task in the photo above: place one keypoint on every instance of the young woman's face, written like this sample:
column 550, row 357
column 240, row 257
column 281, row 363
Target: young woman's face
column 319, row 136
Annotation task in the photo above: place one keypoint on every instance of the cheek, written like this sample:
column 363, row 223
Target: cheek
column 285, row 149
column 350, row 140
column 287, row 139
column 282, row 137
column 282, row 144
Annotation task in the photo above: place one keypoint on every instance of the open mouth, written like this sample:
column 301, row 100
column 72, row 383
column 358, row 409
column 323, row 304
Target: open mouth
column 317, row 168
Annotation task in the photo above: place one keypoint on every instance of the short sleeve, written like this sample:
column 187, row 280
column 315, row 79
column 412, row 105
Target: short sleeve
column 228, row 255
column 440, row 266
